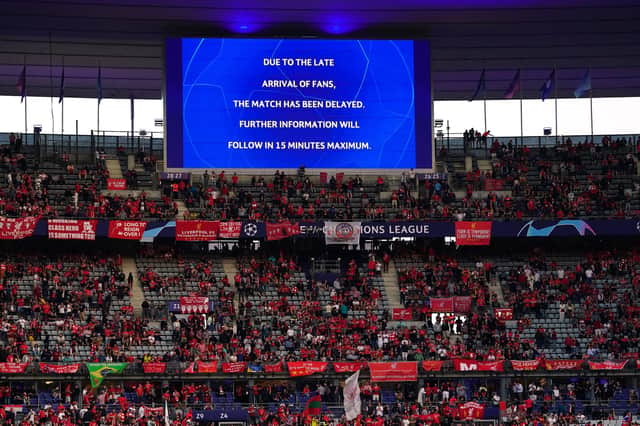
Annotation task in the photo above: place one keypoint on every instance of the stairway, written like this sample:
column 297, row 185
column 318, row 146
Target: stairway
column 137, row 295
column 391, row 287
column 230, row 268
column 495, row 287
column 181, row 209
column 113, row 165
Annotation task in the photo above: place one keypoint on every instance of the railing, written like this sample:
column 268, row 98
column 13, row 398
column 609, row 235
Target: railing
column 111, row 142
column 454, row 142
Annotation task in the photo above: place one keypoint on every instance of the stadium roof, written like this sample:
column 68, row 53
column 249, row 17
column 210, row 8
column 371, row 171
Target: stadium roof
column 126, row 38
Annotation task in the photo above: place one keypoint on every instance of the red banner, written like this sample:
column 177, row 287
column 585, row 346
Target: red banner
column 194, row 304
column 127, row 229
column 470, row 411
column 441, row 304
column 306, row 368
column 503, row 314
column 197, row 230
column 400, row 314
column 202, row 367
column 347, row 367
column 462, row 304
column 234, row 367
column 154, row 367
column 273, row 368
column 230, row 229
column 563, row 364
column 525, row 365
column 630, row 355
column 473, row 365
column 116, row 184
column 432, row 365
column 58, row 368
column 17, row 228
column 473, row 233
column 608, row 365
column 282, row 230
column 153, row 411
column 406, row 371
column 13, row 367
column 72, row 229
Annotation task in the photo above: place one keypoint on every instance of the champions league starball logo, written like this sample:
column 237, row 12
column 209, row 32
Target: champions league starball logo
column 250, row 229
column 580, row 226
column 344, row 231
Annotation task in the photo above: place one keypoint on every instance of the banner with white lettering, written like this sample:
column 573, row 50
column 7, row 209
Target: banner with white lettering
column 72, row 229
column 342, row 232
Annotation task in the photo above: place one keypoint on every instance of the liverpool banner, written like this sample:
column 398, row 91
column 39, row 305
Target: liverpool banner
column 406, row 371
column 432, row 365
column 234, row 367
column 154, row 367
column 473, row 365
column 13, row 367
column 127, row 229
column 17, row 228
column 273, row 368
column 279, row 231
column 72, row 229
column 197, row 230
column 473, row 233
column 116, row 184
column 342, row 232
column 59, row 368
column 608, row 365
column 563, row 364
column 401, row 314
column 230, row 229
column 306, row 368
column 525, row 365
column 98, row 371
column 202, row 367
column 194, row 304
column 347, row 367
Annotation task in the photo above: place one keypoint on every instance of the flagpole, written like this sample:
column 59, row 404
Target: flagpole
column 99, row 99
column 62, row 106
column 25, row 98
column 555, row 90
column 591, row 110
column 53, row 122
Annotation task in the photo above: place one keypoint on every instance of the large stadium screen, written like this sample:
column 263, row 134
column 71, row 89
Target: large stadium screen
column 284, row 103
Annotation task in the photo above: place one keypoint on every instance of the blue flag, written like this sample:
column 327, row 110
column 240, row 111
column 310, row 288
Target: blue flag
column 21, row 85
column 585, row 85
column 61, row 92
column 99, row 83
column 481, row 88
column 514, row 87
column 548, row 86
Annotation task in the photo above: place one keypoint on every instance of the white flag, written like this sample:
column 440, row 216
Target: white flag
column 167, row 422
column 342, row 232
column 351, row 392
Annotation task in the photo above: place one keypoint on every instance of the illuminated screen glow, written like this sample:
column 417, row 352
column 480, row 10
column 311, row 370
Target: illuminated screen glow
column 283, row 103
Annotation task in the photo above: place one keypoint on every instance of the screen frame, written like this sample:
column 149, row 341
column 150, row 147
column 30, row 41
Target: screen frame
column 173, row 119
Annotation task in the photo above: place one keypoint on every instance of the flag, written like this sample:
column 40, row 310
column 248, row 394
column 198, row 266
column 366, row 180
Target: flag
column 481, row 88
column 21, row 85
column 98, row 371
column 166, row 413
column 548, row 86
column 99, row 84
column 61, row 91
column 514, row 87
column 351, row 392
column 314, row 406
column 585, row 85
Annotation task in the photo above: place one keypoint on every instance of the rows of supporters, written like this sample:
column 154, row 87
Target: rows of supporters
column 277, row 403
column 570, row 180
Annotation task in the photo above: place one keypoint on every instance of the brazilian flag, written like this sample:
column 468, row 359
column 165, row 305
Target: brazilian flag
column 98, row 371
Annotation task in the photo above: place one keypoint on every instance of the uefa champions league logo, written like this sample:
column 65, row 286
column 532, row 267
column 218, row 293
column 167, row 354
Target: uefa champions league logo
column 250, row 229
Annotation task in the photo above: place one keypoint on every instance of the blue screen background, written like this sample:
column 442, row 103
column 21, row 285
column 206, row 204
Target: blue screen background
column 380, row 73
